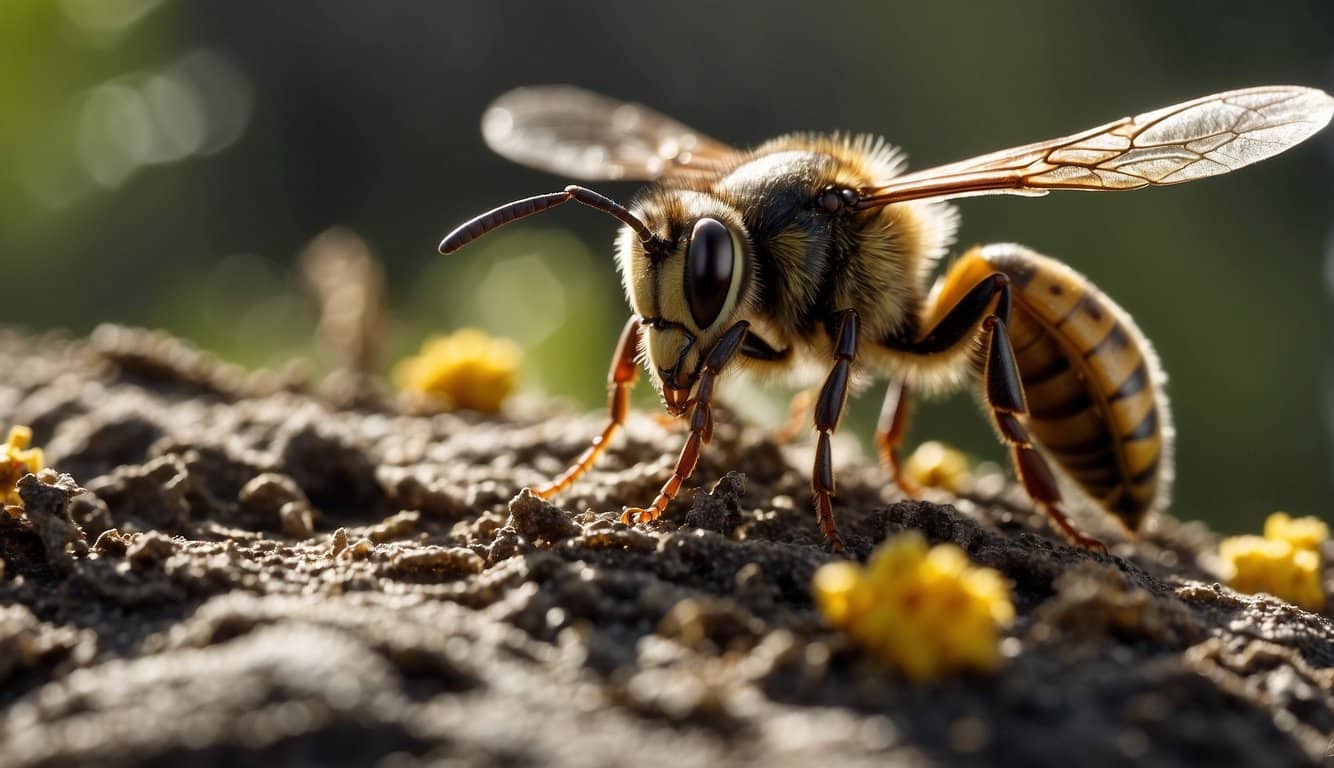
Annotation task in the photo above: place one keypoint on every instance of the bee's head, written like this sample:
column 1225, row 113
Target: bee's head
column 687, row 266
column 689, row 286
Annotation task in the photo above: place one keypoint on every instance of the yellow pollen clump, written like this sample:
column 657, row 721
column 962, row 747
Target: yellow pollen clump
column 936, row 465
column 924, row 612
column 1301, row 533
column 465, row 369
column 18, row 460
column 1285, row 562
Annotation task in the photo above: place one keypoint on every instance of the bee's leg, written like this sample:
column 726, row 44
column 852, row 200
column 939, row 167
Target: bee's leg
column 620, row 379
column 989, row 300
column 701, row 426
column 1005, row 396
column 795, row 422
column 828, row 411
column 889, row 432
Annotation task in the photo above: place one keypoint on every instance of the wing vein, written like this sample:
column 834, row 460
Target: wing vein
column 1193, row 140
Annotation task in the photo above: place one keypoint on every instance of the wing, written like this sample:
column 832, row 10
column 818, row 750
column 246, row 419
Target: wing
column 1200, row 138
column 572, row 132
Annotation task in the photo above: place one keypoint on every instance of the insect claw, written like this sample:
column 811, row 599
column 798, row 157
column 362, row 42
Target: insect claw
column 1076, row 536
column 639, row 516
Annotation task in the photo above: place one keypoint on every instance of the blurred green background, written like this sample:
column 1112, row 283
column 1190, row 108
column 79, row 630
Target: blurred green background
column 161, row 163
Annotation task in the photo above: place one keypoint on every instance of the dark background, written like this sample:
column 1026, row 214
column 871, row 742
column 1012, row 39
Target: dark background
column 162, row 163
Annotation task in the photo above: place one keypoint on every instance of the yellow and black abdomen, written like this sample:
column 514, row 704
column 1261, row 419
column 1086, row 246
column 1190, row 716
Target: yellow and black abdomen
column 1092, row 382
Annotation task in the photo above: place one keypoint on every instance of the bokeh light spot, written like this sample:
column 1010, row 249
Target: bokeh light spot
column 522, row 298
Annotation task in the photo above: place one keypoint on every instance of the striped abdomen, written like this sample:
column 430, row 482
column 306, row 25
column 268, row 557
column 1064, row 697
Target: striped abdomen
column 1092, row 381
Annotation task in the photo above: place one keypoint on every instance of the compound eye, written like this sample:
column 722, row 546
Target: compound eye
column 710, row 264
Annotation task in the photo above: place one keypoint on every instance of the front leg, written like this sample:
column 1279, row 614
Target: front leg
column 701, row 426
column 828, row 411
column 620, row 379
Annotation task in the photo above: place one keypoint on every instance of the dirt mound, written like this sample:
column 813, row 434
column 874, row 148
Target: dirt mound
column 256, row 576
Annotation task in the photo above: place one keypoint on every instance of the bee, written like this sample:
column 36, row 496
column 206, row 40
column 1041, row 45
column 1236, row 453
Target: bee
column 817, row 249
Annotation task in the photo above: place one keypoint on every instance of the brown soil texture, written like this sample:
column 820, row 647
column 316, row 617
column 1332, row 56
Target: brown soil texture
column 265, row 571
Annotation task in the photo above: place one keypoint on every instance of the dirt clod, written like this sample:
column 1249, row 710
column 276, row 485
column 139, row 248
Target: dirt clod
column 718, row 510
column 149, row 549
column 46, row 498
column 536, row 520
column 437, row 562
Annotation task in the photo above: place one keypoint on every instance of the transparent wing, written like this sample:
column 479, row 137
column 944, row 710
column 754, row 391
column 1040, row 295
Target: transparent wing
column 574, row 133
column 1205, row 137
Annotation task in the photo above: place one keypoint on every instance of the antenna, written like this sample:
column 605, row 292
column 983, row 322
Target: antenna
column 528, row 206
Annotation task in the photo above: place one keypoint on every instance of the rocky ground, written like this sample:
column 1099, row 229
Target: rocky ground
column 265, row 572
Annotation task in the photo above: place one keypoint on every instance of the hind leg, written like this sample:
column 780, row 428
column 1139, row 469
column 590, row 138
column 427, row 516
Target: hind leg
column 1005, row 396
column 889, row 433
column 964, row 308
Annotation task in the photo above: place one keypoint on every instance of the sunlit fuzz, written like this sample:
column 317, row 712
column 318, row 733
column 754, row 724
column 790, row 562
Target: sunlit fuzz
column 18, row 460
column 936, row 465
column 467, row 369
column 1255, row 564
column 925, row 612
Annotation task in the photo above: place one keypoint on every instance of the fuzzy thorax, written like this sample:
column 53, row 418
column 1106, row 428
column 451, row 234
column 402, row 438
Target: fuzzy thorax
column 797, row 265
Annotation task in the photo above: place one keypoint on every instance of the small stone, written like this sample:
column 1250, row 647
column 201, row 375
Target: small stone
column 397, row 526
column 297, row 520
column 361, row 550
column 267, row 493
column 338, row 543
